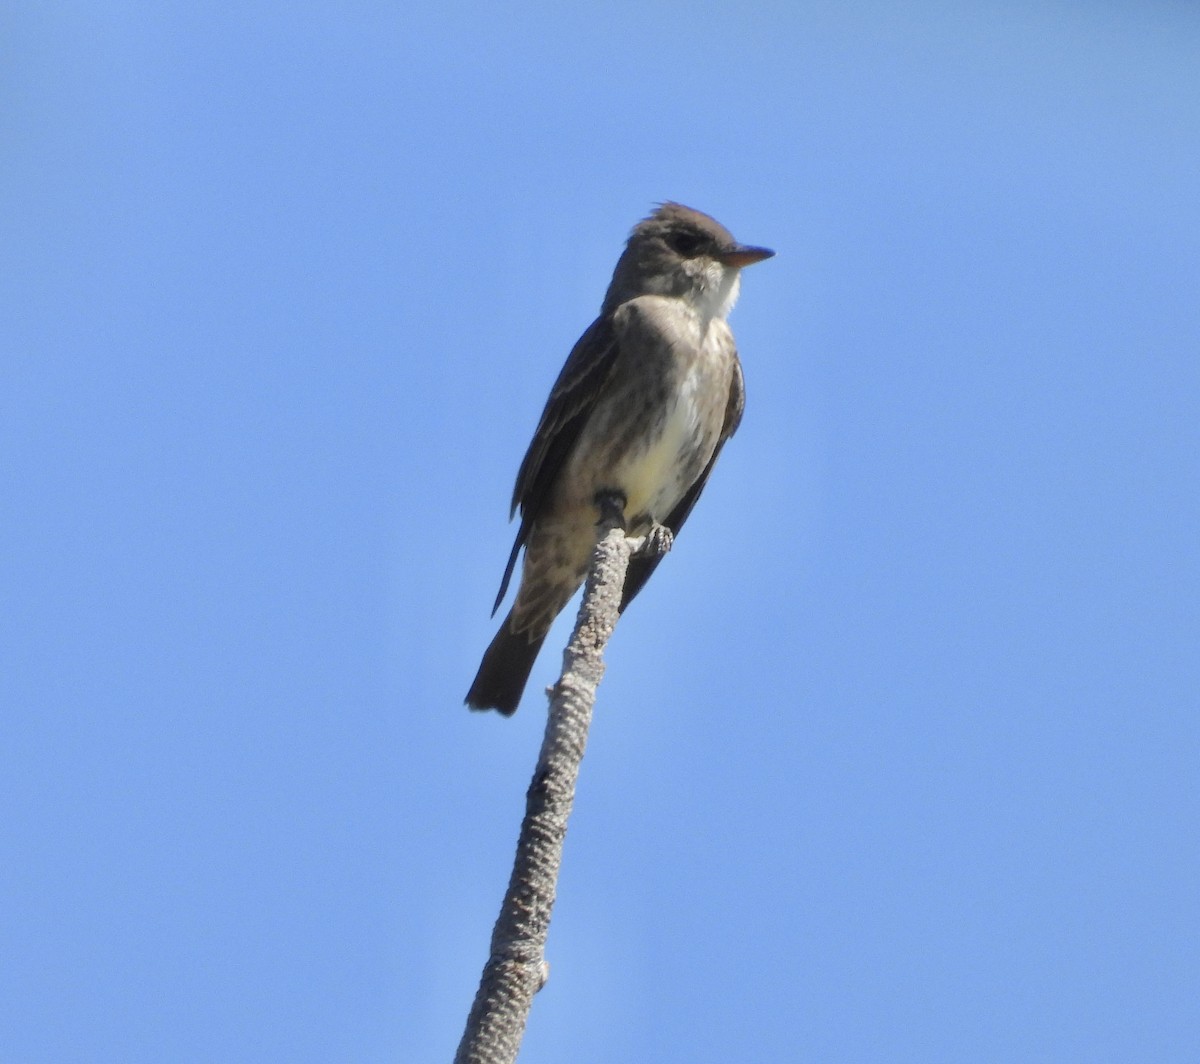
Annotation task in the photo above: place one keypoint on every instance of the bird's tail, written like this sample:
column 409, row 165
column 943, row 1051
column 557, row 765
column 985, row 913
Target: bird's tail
column 505, row 670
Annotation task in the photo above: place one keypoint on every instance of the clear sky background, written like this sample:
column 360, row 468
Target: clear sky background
column 898, row 756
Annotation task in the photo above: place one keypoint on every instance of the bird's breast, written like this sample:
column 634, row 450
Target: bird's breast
column 656, row 426
column 657, row 468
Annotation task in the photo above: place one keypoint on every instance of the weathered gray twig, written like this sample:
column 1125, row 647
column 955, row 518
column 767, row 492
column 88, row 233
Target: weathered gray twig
column 517, row 969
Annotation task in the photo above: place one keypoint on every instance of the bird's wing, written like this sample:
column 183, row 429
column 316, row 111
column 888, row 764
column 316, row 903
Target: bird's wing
column 571, row 400
column 640, row 567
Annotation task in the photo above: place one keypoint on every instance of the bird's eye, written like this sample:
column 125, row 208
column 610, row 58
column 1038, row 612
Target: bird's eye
column 683, row 243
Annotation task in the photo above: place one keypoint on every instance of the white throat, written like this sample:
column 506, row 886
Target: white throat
column 716, row 290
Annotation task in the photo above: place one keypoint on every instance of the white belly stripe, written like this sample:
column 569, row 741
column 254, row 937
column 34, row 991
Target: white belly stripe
column 652, row 477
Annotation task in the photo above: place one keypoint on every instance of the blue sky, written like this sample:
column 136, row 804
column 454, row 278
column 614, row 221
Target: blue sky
column 896, row 756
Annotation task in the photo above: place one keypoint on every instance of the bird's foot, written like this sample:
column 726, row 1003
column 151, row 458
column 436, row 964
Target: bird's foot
column 657, row 541
column 611, row 504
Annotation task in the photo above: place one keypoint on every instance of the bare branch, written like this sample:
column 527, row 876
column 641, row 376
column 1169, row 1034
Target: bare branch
column 517, row 969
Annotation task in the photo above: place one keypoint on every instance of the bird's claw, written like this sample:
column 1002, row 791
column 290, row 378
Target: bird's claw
column 657, row 541
column 611, row 505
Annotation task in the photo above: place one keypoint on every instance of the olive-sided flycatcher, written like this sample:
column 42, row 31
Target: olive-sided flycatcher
column 639, row 413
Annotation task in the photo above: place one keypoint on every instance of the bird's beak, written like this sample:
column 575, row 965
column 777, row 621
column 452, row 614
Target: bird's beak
column 743, row 255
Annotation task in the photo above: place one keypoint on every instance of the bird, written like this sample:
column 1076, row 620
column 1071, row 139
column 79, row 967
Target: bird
column 645, row 402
